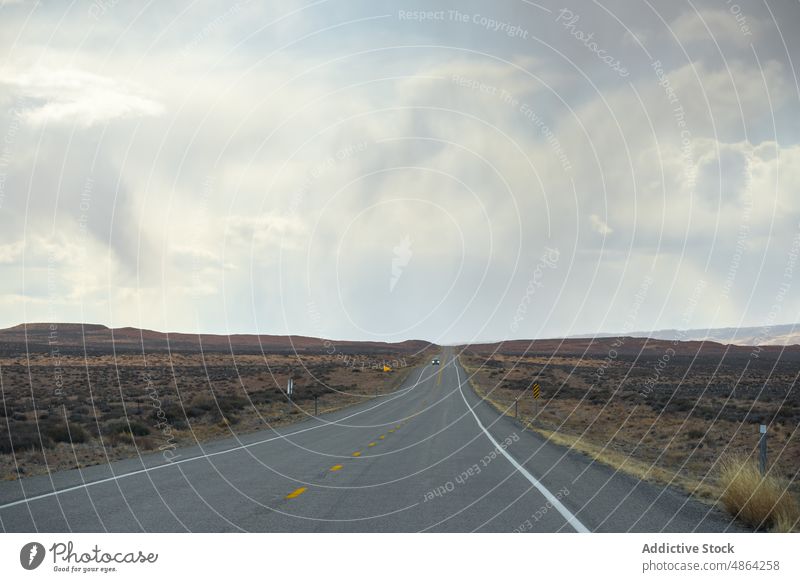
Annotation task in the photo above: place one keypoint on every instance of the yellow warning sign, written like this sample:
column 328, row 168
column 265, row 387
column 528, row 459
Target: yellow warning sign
column 536, row 391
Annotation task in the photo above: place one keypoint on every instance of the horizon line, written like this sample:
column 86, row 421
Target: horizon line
column 595, row 335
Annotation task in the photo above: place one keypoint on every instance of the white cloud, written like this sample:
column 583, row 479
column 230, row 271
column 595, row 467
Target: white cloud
column 9, row 253
column 75, row 96
column 716, row 26
column 599, row 226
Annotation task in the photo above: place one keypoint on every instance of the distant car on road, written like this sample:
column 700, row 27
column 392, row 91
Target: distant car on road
column 435, row 362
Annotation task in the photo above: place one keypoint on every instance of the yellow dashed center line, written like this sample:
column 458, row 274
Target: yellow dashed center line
column 300, row 490
column 297, row 492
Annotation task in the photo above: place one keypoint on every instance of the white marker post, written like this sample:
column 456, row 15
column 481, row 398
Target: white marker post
column 762, row 458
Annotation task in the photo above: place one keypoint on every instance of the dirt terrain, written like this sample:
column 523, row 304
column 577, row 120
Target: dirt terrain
column 72, row 397
column 663, row 410
column 669, row 411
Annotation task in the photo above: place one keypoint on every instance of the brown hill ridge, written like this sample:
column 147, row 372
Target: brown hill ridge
column 94, row 337
column 602, row 347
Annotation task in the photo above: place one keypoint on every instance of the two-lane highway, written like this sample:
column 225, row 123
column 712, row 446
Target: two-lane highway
column 431, row 456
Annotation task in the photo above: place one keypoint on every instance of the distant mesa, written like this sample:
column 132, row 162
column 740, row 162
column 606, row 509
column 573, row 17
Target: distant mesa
column 770, row 335
column 630, row 347
column 77, row 337
column 71, row 337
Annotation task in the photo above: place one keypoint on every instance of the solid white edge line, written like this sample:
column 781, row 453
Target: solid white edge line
column 566, row 513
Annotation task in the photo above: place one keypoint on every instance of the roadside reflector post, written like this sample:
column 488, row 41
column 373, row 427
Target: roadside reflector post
column 537, row 393
column 289, row 392
column 516, row 407
column 762, row 457
column 316, row 409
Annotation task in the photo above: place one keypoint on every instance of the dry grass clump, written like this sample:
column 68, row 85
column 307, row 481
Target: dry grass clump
column 761, row 502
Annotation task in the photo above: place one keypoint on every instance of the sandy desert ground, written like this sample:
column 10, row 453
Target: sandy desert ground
column 665, row 411
column 64, row 409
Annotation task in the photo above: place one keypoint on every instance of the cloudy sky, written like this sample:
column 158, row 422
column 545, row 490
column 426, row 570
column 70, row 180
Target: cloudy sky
column 452, row 171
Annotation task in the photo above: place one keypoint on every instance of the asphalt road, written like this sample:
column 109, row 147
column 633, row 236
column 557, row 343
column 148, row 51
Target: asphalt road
column 431, row 456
